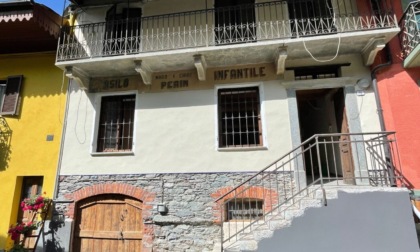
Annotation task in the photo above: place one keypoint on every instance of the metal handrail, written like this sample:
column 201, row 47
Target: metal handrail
column 374, row 154
column 297, row 148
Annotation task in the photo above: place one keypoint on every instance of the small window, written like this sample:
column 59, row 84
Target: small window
column 239, row 117
column 30, row 186
column 116, row 123
column 244, row 209
column 322, row 72
column 10, row 95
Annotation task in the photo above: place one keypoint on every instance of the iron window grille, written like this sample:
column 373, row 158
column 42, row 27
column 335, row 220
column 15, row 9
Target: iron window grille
column 239, row 117
column 321, row 72
column 244, row 209
column 116, row 123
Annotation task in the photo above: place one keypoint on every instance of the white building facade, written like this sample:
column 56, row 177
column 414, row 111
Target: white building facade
column 172, row 104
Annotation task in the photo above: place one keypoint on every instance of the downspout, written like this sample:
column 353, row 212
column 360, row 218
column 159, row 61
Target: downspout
column 375, row 87
column 63, row 136
column 381, row 114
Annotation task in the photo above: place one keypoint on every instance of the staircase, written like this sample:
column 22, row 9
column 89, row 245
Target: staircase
column 281, row 192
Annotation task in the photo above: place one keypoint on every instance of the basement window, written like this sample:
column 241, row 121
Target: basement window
column 244, row 209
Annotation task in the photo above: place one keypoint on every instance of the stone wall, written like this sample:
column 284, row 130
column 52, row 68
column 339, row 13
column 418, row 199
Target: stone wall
column 192, row 222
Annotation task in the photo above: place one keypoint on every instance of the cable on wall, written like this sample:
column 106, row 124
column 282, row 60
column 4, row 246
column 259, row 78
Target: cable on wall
column 77, row 120
column 328, row 60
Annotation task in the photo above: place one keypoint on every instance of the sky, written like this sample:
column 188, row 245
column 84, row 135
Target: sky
column 55, row 5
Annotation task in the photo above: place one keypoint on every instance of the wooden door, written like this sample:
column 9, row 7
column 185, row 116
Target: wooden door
column 345, row 152
column 30, row 186
column 109, row 223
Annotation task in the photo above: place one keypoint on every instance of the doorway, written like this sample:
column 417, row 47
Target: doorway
column 323, row 111
column 234, row 21
column 122, row 31
column 109, row 222
column 305, row 15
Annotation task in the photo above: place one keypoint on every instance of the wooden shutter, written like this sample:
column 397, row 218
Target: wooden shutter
column 11, row 96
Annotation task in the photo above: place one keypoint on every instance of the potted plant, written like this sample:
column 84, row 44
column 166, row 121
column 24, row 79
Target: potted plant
column 34, row 203
column 21, row 228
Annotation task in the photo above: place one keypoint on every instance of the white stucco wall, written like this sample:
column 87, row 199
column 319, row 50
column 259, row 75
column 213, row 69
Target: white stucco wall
column 175, row 132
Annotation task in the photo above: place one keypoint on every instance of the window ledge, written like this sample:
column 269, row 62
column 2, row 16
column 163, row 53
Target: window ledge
column 256, row 148
column 116, row 153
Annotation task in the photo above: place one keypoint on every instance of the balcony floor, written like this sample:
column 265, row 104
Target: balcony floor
column 322, row 47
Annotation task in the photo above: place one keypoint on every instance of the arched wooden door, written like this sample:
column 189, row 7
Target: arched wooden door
column 108, row 222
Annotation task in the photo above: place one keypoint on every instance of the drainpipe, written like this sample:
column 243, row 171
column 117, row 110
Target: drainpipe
column 375, row 87
column 63, row 136
column 381, row 114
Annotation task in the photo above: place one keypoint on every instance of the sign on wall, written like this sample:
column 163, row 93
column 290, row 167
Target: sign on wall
column 114, row 84
column 186, row 79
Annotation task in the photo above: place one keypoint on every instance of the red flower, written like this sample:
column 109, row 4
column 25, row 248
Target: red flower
column 34, row 203
column 21, row 228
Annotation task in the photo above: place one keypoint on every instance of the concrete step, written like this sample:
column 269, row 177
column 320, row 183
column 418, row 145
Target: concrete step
column 309, row 203
column 245, row 245
column 262, row 233
column 278, row 223
column 281, row 218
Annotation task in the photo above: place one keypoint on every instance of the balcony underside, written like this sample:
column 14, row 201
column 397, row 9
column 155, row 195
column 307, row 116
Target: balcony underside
column 413, row 59
column 322, row 47
column 410, row 35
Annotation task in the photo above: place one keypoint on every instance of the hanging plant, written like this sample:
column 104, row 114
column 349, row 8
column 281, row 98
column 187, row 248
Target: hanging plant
column 21, row 228
column 34, row 203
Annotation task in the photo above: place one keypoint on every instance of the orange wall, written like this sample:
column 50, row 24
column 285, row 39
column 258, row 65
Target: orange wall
column 400, row 97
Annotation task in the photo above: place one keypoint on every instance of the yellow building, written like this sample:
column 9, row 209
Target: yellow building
column 33, row 96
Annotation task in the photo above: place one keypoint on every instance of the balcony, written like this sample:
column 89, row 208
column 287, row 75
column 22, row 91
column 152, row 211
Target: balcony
column 410, row 35
column 251, row 32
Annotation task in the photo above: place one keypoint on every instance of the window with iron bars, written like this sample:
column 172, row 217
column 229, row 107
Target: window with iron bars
column 116, row 123
column 244, row 209
column 239, row 117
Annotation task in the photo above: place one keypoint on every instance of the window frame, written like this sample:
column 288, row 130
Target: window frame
column 97, row 115
column 230, row 211
column 16, row 99
column 259, row 85
column 33, row 185
column 3, row 82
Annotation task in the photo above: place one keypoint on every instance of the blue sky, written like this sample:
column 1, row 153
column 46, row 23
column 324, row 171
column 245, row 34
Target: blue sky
column 56, row 5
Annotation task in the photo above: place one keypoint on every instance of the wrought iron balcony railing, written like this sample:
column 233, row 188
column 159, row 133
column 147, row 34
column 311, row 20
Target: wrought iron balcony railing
column 410, row 29
column 219, row 26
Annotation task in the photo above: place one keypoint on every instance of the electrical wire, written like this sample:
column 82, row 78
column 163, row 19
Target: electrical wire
column 328, row 60
column 331, row 10
column 77, row 120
